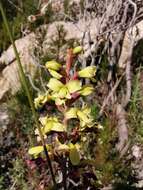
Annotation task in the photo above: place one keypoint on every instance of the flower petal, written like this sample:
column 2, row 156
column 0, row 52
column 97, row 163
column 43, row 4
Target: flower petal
column 40, row 100
column 73, row 86
column 63, row 148
column 36, row 150
column 71, row 113
column 86, row 90
column 74, row 155
column 88, row 72
column 55, row 84
column 55, row 74
column 82, row 116
column 58, row 127
column 63, row 92
column 48, row 126
column 53, row 65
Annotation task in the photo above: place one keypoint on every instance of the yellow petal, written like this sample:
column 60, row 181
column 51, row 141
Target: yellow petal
column 74, row 155
column 71, row 113
column 74, row 86
column 55, row 74
column 48, row 126
column 58, row 127
column 86, row 90
column 54, row 85
column 88, row 72
column 40, row 100
column 36, row 150
column 82, row 116
column 77, row 50
column 87, row 110
column 53, row 65
column 63, row 92
column 53, row 125
column 63, row 147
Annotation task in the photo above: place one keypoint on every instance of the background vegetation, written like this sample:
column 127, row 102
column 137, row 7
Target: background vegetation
column 17, row 172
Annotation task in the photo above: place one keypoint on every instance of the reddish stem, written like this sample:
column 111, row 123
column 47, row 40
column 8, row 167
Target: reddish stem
column 69, row 62
column 75, row 76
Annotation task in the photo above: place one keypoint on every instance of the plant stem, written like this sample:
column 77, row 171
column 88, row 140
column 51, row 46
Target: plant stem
column 50, row 165
column 24, row 83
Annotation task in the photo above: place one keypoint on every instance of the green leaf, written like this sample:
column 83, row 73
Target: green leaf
column 74, row 155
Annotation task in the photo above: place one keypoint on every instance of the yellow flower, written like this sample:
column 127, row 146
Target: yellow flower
column 55, row 74
column 71, row 113
column 86, row 90
column 88, row 72
column 51, row 124
column 62, row 92
column 59, row 147
column 83, row 115
column 85, row 118
column 74, row 86
column 55, row 85
column 40, row 100
column 77, row 50
column 53, row 65
column 36, row 150
column 74, row 154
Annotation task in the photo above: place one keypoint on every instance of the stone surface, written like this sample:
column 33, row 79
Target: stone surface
column 9, row 76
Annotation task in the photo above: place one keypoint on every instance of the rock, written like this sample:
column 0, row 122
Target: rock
column 9, row 80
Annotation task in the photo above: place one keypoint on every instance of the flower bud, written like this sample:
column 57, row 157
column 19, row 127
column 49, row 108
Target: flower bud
column 77, row 50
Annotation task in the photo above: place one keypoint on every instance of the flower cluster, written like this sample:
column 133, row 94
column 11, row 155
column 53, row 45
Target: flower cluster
column 63, row 89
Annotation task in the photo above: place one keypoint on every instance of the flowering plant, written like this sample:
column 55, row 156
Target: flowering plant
column 63, row 129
